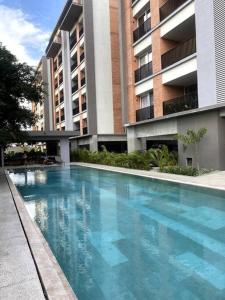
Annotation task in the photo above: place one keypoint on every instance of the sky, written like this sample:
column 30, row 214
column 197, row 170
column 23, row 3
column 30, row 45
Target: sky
column 26, row 25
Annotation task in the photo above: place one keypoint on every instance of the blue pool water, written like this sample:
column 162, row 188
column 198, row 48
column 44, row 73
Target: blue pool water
column 124, row 237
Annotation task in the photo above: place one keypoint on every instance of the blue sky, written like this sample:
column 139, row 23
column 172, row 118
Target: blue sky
column 25, row 26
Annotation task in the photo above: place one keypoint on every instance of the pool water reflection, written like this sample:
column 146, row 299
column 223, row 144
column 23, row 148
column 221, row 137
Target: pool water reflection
column 124, row 237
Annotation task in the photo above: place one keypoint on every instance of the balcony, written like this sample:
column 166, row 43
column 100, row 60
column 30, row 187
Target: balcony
column 74, row 88
column 143, row 72
column 179, row 104
column 84, row 106
column 60, row 80
column 55, row 67
column 56, row 103
column 56, row 85
column 142, row 30
column 61, row 99
column 73, row 66
column 145, row 113
column 59, row 61
column 53, row 46
column 82, row 82
column 85, row 130
column 169, row 7
column 62, row 118
column 57, row 120
column 70, row 14
column 81, row 57
column 81, row 32
column 73, row 43
column 76, row 111
column 180, row 52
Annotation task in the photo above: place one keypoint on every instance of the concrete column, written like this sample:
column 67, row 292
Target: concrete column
column 65, row 150
column 134, row 143
column 94, row 143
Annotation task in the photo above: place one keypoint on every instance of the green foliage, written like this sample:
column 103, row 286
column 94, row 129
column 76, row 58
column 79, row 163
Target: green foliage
column 162, row 157
column 180, row 170
column 17, row 89
column 192, row 137
column 135, row 160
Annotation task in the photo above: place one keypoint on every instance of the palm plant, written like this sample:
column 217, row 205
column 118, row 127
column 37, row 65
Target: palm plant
column 193, row 138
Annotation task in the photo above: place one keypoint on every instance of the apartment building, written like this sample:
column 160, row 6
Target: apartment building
column 84, row 83
column 137, row 72
column 174, row 74
column 43, row 109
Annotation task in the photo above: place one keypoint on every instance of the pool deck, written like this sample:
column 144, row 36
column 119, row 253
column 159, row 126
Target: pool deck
column 28, row 269
column 214, row 180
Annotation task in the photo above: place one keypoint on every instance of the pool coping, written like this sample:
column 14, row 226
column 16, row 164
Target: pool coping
column 54, row 282
column 179, row 179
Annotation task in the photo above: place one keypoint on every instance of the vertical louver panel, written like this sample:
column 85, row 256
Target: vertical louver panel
column 219, row 27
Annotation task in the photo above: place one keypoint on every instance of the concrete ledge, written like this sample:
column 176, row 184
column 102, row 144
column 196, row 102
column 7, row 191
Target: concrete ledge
column 52, row 277
column 214, row 180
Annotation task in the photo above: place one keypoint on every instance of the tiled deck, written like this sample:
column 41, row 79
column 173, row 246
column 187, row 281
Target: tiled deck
column 18, row 275
column 215, row 180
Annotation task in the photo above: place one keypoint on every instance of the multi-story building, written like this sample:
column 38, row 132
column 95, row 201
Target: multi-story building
column 84, row 58
column 43, row 109
column 174, row 58
column 150, row 68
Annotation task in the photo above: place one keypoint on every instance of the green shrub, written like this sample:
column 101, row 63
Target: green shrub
column 180, row 170
column 161, row 157
column 135, row 160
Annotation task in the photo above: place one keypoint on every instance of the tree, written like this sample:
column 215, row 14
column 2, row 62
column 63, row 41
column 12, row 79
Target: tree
column 18, row 88
column 193, row 138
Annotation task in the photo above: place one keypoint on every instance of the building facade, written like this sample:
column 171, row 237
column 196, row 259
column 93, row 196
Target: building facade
column 174, row 58
column 84, row 59
column 137, row 72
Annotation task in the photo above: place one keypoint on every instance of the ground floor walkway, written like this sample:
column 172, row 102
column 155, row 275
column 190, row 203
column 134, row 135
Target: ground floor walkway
column 18, row 275
column 214, row 179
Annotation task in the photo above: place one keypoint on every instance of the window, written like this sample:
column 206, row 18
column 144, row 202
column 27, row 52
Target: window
column 145, row 59
column 146, row 100
column 143, row 17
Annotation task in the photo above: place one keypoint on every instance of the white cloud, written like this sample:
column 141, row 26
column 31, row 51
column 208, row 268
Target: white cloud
column 20, row 36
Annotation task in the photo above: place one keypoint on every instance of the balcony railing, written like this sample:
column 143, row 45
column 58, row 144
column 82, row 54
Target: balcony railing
column 183, row 103
column 62, row 118
column 56, row 85
column 73, row 43
column 81, row 57
column 74, row 88
column 82, row 82
column 73, row 66
column 169, row 7
column 76, row 110
column 59, row 61
column 85, row 130
column 145, row 113
column 84, row 106
column 57, row 120
column 61, row 99
column 143, row 72
column 142, row 30
column 180, row 52
column 60, row 80
column 81, row 32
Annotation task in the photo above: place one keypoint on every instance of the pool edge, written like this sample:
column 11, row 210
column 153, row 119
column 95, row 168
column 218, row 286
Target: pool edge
column 156, row 176
column 53, row 279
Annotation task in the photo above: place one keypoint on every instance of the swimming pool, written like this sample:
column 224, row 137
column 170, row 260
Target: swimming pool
column 119, row 236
